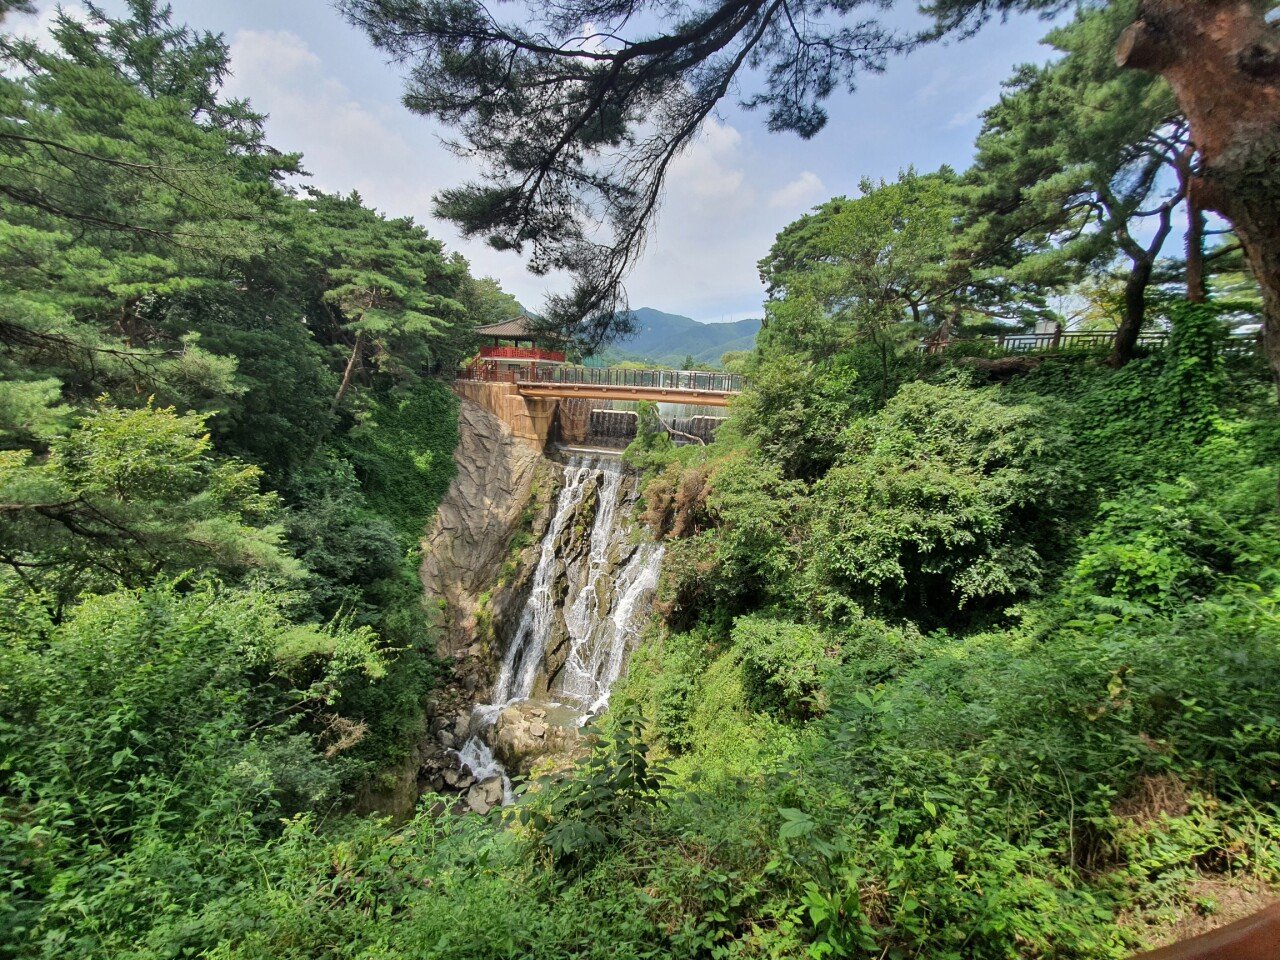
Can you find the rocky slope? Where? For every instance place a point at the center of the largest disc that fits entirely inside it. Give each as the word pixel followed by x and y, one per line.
pixel 475 574
pixel 471 537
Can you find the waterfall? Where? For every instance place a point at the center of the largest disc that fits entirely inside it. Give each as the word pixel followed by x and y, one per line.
pixel 602 639
pixel 524 652
pixel 588 598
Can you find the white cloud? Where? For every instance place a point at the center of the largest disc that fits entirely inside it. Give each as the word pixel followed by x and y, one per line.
pixel 589 39
pixel 971 113
pixel 799 192
pixel 938 84
pixel 274 54
pixel 717 221
pixel 710 174
pixel 392 157
pixel 345 145
pixel 38 26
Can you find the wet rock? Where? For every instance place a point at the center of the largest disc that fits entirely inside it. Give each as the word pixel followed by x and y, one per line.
pixel 486 795
pixel 446 740
pixel 525 732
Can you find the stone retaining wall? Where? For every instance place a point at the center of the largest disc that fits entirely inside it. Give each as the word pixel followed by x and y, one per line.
pixel 529 419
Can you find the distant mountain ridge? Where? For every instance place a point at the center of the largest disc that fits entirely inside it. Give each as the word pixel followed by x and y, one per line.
pixel 668 338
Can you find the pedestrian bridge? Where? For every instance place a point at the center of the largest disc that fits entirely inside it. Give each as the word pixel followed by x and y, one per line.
pixel 534 399
pixel 701 387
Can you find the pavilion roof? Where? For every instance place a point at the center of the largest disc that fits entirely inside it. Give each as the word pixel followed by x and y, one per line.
pixel 521 328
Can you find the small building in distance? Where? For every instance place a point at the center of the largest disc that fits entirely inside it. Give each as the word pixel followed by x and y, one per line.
pixel 516 350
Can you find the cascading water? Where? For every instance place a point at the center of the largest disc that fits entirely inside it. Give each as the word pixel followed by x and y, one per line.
pixel 590 603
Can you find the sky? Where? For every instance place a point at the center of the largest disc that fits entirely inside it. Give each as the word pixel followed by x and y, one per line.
pixel 330 95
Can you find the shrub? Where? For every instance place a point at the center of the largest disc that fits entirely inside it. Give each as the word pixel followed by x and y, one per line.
pixel 945 501
pixel 1166 543
pixel 403 453
pixel 610 794
pixel 149 741
pixel 784 665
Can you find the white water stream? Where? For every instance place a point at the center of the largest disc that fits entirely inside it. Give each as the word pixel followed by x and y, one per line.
pixel 605 597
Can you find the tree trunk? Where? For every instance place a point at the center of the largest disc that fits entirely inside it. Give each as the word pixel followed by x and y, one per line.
pixel 1197 285
pixel 357 350
pixel 1222 60
pixel 1135 313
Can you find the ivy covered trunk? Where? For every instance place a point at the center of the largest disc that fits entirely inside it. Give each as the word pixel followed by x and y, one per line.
pixel 1135 313
pixel 1222 59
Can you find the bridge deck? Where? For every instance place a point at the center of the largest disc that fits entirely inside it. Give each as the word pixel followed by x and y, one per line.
pixel 588 391
pixel 701 387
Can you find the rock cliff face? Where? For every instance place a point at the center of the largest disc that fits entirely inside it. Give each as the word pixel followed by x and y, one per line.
pixel 476 563
pixel 471 538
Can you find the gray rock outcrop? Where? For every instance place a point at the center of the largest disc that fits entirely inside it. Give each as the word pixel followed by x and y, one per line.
pixel 471 536
pixel 528 731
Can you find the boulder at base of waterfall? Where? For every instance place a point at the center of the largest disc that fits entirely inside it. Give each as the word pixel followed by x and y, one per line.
pixel 458 779
pixel 486 795
pixel 526 732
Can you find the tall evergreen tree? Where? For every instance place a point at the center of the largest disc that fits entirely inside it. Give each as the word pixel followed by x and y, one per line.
pixel 389 288
pixel 1079 163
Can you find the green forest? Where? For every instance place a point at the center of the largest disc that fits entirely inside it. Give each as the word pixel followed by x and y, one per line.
pixel 956 654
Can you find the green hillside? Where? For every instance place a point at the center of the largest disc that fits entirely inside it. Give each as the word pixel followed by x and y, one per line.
pixel 668 338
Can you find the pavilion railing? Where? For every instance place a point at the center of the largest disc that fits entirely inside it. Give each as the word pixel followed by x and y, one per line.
pixel 522 353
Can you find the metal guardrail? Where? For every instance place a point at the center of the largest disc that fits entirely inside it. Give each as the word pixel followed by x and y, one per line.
pixel 1036 342
pixel 702 380
pixel 1071 340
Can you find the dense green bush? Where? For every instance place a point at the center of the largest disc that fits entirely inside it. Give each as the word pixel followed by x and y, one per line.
pixel 141 733
pixel 403 454
pixel 945 501
pixel 785 665
pixel 797 409
pixel 1169 543
pixel 981 786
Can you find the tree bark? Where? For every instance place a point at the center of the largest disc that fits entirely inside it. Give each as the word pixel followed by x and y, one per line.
pixel 1197 283
pixel 1135 313
pixel 1222 60
pixel 357 350
pixel 1135 288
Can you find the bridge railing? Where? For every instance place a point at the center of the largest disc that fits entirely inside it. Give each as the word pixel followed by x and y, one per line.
pixel 1036 342
pixel 1069 340
pixel 702 380
pixel 488 371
